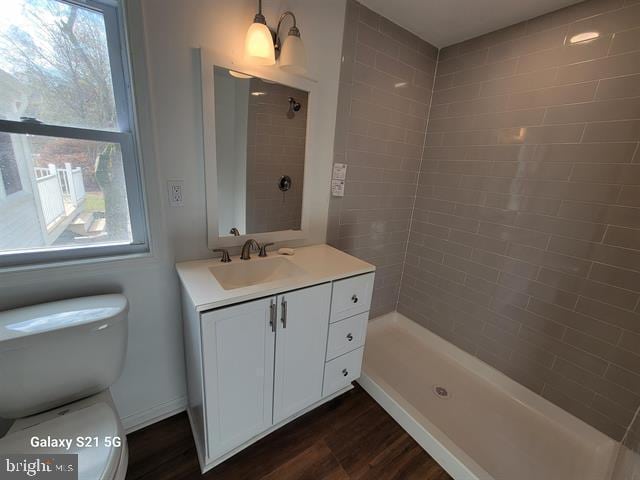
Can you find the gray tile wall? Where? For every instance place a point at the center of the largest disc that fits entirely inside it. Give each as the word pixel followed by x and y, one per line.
pixel 385 89
pixel 275 147
pixel 524 248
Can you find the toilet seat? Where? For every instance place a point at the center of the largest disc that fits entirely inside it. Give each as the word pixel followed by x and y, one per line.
pixel 90 417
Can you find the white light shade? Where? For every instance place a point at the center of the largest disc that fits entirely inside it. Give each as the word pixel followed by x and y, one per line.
pixel 243 76
pixel 258 45
pixel 293 58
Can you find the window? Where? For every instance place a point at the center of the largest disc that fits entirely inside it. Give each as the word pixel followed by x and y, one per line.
pixel 66 135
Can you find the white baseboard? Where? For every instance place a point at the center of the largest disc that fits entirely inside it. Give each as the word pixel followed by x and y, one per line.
pixel 154 414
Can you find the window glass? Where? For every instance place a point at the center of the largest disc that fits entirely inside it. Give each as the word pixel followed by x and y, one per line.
pixel 54 65
pixel 63 143
pixel 80 196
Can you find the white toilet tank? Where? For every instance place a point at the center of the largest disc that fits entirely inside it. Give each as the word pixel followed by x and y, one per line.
pixel 58 352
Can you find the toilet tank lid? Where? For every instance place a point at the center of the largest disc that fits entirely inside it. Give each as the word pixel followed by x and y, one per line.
pixel 47 317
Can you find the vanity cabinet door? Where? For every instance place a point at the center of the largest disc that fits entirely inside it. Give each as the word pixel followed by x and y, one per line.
pixel 301 341
pixel 238 352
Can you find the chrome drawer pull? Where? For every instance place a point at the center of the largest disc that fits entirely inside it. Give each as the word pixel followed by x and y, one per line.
pixel 284 313
pixel 354 298
pixel 345 372
pixel 349 337
pixel 272 316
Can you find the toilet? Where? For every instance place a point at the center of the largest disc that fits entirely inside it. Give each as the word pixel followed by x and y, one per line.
pixel 57 362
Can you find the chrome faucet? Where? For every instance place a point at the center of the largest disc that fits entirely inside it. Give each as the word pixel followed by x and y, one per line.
pixel 246 249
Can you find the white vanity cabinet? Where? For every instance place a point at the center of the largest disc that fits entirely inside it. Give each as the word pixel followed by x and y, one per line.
pixel 263 362
pixel 238 345
pixel 301 339
pixel 256 364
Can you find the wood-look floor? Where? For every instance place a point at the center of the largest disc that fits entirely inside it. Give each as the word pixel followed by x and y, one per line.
pixel 351 437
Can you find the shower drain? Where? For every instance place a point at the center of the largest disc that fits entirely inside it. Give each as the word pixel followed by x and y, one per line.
pixel 441 392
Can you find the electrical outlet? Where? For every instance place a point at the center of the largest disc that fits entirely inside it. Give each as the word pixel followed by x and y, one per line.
pixel 176 198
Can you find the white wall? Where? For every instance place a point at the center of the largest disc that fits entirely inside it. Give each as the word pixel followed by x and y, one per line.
pixel 174 30
pixel 153 379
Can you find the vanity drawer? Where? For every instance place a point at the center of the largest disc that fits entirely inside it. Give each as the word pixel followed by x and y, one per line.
pixel 351 296
pixel 341 371
pixel 346 335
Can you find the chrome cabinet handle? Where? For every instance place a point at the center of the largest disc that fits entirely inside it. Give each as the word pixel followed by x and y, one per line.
pixel 272 315
pixel 345 372
pixel 354 298
pixel 349 337
pixel 284 313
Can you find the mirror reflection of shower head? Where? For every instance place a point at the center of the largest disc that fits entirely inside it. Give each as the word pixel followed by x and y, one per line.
pixel 293 107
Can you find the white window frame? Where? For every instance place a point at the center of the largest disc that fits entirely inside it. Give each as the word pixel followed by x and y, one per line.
pixel 125 137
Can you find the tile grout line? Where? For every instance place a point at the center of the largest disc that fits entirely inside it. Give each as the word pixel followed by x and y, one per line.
pixel 517 57
pixel 566 326
pixel 532 90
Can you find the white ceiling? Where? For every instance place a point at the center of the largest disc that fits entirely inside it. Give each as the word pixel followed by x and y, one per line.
pixel 445 22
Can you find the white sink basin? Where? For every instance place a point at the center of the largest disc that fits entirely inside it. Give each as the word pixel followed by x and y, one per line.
pixel 244 273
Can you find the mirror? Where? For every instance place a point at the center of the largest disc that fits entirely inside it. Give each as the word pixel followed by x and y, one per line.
pixel 260 137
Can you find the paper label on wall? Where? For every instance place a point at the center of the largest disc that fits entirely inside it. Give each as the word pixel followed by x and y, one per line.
pixel 337 188
pixel 339 171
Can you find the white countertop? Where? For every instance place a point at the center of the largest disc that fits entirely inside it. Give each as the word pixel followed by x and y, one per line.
pixel 321 263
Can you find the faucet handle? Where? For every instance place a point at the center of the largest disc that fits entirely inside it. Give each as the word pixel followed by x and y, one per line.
pixel 225 254
pixel 263 249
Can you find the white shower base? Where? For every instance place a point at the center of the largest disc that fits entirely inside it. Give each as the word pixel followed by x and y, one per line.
pixel 489 427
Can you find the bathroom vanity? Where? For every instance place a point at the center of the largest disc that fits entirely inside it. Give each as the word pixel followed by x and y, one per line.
pixel 271 337
pixel 268 339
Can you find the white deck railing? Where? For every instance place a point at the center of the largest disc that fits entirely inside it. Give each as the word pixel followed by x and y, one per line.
pixel 72 184
pixel 57 188
pixel 78 185
pixel 43 172
pixel 50 198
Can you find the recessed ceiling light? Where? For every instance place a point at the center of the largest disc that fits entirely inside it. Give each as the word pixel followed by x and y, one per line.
pixel 258 94
pixel 584 37
pixel 400 84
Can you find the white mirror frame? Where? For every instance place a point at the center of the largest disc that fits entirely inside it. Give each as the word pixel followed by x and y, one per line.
pixel 209 60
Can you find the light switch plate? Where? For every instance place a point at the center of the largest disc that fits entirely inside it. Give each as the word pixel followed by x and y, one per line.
pixel 337 188
pixel 175 190
pixel 339 171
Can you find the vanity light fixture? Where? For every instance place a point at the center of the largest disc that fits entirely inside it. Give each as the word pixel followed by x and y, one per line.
pixel 258 43
pixel 262 45
pixel 293 58
pixel 584 37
